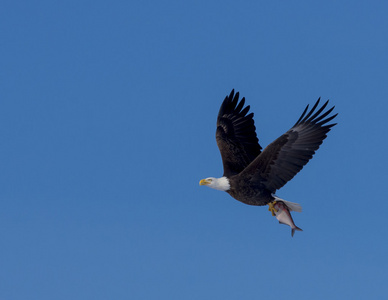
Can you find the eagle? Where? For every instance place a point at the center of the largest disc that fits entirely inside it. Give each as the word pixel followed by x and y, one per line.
pixel 253 175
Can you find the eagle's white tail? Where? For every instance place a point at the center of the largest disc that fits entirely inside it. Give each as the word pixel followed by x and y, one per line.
pixel 291 205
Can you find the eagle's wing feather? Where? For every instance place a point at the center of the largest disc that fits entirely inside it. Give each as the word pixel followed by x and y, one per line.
pixel 236 135
pixel 281 160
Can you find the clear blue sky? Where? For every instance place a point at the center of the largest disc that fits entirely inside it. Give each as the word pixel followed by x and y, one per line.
pixel 107 124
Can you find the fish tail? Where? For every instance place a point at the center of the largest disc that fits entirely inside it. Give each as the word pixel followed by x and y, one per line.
pixel 293 230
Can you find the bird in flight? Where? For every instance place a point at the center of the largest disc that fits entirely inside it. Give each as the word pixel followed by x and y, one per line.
pixel 252 175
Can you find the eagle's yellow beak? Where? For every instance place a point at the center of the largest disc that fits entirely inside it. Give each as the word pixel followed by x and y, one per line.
pixel 204 182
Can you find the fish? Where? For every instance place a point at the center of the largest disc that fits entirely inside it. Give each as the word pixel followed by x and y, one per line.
pixel 282 213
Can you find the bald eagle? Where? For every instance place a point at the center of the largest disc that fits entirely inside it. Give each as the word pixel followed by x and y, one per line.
pixel 252 175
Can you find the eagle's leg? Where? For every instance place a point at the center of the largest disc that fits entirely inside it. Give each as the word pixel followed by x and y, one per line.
pixel 272 208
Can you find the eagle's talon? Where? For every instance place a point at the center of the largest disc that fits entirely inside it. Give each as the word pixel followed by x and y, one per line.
pixel 271 208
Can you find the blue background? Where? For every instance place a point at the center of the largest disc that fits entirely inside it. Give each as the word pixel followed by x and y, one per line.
pixel 107 124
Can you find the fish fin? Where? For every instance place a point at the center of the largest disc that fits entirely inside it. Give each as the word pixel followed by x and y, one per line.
pixel 293 230
pixel 292 206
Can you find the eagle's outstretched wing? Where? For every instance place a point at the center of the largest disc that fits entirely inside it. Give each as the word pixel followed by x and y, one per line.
pixel 281 160
pixel 236 135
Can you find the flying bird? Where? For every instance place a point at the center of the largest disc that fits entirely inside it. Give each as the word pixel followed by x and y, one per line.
pixel 252 175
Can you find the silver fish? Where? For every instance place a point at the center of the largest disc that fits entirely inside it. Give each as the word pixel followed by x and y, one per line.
pixel 282 213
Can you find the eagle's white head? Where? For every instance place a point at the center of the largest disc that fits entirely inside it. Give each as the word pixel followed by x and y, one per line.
pixel 221 184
